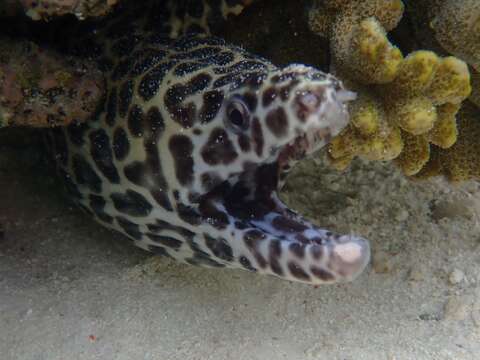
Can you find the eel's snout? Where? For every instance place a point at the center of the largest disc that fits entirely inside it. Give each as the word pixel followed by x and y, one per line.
pixel 315 257
pixel 323 111
pixel 336 260
pixel 349 257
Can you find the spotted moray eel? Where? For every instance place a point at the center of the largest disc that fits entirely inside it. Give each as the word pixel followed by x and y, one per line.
pixel 187 150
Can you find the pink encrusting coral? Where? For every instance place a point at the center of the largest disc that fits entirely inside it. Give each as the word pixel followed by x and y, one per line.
pixel 44 9
pixel 41 88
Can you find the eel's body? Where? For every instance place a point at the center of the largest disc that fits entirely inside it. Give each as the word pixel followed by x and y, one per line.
pixel 185 153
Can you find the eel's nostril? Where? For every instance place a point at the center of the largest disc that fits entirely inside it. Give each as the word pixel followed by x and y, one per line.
pixel 308 101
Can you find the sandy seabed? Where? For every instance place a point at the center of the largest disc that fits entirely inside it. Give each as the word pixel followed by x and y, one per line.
pixel 70 289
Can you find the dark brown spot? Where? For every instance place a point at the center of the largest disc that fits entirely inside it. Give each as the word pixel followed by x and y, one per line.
pixel 97 204
pixel 322 274
pixel 121 144
pixel 251 101
pixel 102 154
pixel 135 121
pixel 167 241
pixel 284 77
pixel 183 114
pixel 212 102
pixel 244 142
pixel 183 69
pixel 125 97
pixel 210 180
pixel 150 83
pixel 275 253
pixel 257 136
pixel 219 247
pixel 153 128
pixel 218 149
pixel 85 175
pixel 246 263
pixel 297 271
pixel 146 60
pixel 136 172
pixel 130 228
pixel 131 203
pixel 277 122
pixel 302 239
pixel 252 239
pixel 240 225
pixel 161 225
pixel 269 96
pixel 241 67
pixel 200 257
pixel 159 250
pixel 181 148
pixel 286 90
pixel 287 225
pixel 316 251
pixel 188 214
pixel 298 249
pixel 111 107
pixel 175 96
pixel 213 216
pixel 226 80
pixel 161 197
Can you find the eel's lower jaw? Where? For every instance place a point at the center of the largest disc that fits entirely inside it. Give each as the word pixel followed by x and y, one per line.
pixel 310 254
pixel 279 242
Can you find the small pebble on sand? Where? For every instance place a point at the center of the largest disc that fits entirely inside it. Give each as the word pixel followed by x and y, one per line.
pixel 456 308
pixel 456 277
pixel 382 263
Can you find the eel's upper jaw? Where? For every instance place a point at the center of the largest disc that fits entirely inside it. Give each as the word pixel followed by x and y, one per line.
pixel 325 115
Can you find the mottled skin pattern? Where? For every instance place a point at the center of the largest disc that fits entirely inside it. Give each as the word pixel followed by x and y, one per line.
pixel 185 152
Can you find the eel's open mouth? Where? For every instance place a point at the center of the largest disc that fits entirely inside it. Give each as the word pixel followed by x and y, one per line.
pixel 279 240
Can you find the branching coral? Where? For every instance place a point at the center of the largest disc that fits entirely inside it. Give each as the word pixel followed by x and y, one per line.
pixel 41 88
pixel 475 96
pixel 359 48
pixel 456 24
pixel 462 160
pixel 409 103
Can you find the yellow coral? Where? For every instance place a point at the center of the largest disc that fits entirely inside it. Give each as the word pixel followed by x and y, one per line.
pixel 475 95
pixel 444 134
pixel 462 160
pixel 456 24
pixel 417 102
pixel 415 154
pixel 409 103
pixel 451 82
pixel 374 60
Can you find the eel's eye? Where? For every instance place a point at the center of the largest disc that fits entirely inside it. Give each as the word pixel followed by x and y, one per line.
pixel 237 115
